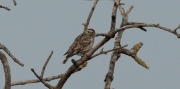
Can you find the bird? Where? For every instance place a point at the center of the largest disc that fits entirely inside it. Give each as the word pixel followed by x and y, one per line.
pixel 82 44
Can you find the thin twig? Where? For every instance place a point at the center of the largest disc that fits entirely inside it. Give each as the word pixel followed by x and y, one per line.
pixel 15 2
pixel 90 15
pixel 129 10
pixel 175 30
pixel 149 25
pixel 132 23
pixel 36 80
pixel 105 52
pixel 45 84
pixel 7 71
pixel 9 53
pixel 45 64
pixel 5 7
pixel 122 10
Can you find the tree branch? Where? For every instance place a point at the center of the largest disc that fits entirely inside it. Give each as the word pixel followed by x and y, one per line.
pixel 5 7
pixel 15 2
pixel 129 10
pixel 105 52
pixel 45 84
pixel 44 67
pixel 175 30
pixel 149 25
pixel 101 34
pixel 109 75
pixel 36 80
pixel 7 71
pixel 9 53
pixel 132 23
pixel 133 54
pixel 90 15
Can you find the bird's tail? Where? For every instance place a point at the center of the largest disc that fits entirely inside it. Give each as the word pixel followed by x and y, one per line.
pixel 65 60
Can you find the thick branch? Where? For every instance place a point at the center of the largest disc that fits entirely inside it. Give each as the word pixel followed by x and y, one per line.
pixel 5 7
pixel 45 64
pixel 109 75
pixel 45 84
pixel 6 71
pixel 9 53
pixel 36 80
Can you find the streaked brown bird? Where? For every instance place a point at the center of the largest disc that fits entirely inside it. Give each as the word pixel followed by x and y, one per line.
pixel 82 44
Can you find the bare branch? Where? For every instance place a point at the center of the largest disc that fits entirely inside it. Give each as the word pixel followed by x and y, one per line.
pixel 44 67
pixel 122 4
pixel 45 84
pixel 5 7
pixel 133 54
pixel 149 25
pixel 132 23
pixel 9 53
pixel 128 11
pixel 105 52
pixel 175 30
pixel 15 2
pixel 101 34
pixel 122 11
pixel 90 15
pixel 36 80
pixel 109 75
pixel 7 71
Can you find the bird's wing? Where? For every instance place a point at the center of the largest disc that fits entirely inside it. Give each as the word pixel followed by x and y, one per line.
pixel 74 46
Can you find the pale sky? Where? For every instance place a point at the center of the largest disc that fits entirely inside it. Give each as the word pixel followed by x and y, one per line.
pixel 32 29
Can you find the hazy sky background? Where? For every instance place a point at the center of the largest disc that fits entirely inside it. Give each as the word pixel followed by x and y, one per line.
pixel 33 28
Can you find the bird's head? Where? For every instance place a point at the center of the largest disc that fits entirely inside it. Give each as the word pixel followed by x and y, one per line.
pixel 90 32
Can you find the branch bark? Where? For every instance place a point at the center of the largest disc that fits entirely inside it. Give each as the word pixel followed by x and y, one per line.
pixel 105 52
pixel 149 25
pixel 90 15
pixel 6 71
pixel 45 64
pixel 45 84
pixel 6 8
pixel 14 1
pixel 9 53
pixel 36 80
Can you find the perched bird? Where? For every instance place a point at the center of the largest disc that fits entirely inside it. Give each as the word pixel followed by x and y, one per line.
pixel 82 44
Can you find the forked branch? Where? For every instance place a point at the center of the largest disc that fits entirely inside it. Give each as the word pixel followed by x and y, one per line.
pixel 45 64
pixel 105 52
pixel 45 84
pixel 36 80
